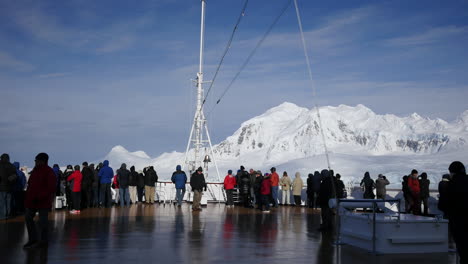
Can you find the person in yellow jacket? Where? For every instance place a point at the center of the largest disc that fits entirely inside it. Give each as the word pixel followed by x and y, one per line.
pixel 285 183
pixel 297 188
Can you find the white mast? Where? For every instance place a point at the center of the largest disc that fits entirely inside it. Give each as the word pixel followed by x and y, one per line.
pixel 194 157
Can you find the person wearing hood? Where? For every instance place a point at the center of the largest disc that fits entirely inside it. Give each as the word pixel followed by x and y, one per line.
pixel 381 186
pixel 86 185
pixel 59 175
pixel 132 185
pixel 424 194
pixel 243 181
pixel 442 204
pixel 7 182
pixel 151 178
pixel 123 178
pixel 95 186
pixel 285 184
pixel 457 208
pixel 317 180
pixel 297 188
pixel 326 192
pixel 140 186
pixel 257 187
pixel 368 184
pixel 229 183
pixel 106 174
pixel 340 187
pixel 18 190
pixel 415 192
pixel 75 180
pixel 179 178
pixel 198 184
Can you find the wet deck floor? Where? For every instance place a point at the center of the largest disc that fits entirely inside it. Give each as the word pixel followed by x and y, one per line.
pixel 167 234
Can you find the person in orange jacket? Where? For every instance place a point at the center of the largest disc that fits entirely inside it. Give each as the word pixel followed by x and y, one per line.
pixel 415 191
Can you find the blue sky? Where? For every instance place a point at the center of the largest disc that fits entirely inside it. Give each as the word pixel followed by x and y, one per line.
pixel 79 77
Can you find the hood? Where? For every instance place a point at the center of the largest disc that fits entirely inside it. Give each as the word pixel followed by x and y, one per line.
pixel 178 168
pixel 457 168
pixel 16 164
pixel 123 166
pixel 325 173
pixel 310 175
pixel 105 163
pixel 298 175
pixel 132 168
pixel 366 175
pixel 5 157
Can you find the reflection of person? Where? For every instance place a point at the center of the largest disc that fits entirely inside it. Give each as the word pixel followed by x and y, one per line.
pixel 41 189
pixel 198 184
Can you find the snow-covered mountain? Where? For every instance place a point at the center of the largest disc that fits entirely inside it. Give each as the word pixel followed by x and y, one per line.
pixel 287 134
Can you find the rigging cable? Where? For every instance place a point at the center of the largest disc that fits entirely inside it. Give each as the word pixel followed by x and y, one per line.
pixel 228 46
pixel 314 94
pixel 252 53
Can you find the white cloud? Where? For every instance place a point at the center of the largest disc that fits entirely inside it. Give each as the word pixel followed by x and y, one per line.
pixel 9 62
pixel 430 36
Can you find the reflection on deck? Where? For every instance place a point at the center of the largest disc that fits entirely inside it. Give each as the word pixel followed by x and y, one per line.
pixel 168 234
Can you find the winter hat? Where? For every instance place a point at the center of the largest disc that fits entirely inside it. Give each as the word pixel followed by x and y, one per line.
pixel 414 172
pixel 273 169
pixel 338 176
pixel 132 168
pixel 229 171
pixel 446 176
pixel 77 167
pixel 123 166
pixel 423 175
pixel 310 175
pixel 85 164
pixel 200 169
pixel 457 168
pixel 366 175
pixel 380 176
pixel 242 168
pixel 42 157
pixel 69 167
pixel 285 173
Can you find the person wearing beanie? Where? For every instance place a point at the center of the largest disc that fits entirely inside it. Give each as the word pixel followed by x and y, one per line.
pixel 198 184
pixel 285 183
pixel 415 192
pixel 229 183
pixel 458 207
pixel 297 189
pixel 179 178
pixel 38 199
pixel 424 193
pixel 75 180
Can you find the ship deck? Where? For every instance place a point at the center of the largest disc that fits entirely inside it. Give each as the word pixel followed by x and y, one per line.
pixel 168 234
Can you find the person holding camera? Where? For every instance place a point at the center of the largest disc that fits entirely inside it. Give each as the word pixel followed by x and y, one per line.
pixel 381 186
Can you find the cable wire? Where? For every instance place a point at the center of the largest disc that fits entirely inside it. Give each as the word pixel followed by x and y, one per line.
pixel 283 10
pixel 228 46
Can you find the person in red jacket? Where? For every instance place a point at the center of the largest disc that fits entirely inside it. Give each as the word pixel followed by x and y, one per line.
pixel 265 191
pixel 41 188
pixel 274 178
pixel 415 190
pixel 229 183
pixel 75 185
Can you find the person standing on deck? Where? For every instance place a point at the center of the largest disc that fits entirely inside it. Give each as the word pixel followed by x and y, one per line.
pixel 325 194
pixel 443 189
pixel 132 185
pixel 297 189
pixel 274 178
pixel 151 178
pixel 285 183
pixel 123 178
pixel 75 180
pixel 38 199
pixel 95 186
pixel 179 178
pixel 140 186
pixel 257 188
pixel 415 192
pixel 198 184
pixel 316 187
pixel 106 174
pixel 381 186
pixel 424 186
pixel 229 183
pixel 7 182
pixel 368 184
pixel 265 191
pixel 406 194
pixel 86 185
pixel 340 187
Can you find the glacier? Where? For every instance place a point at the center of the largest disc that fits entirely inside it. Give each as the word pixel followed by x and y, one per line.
pixel 288 137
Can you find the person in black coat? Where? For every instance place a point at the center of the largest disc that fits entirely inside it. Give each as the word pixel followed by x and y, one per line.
pixel 406 194
pixel 257 186
pixel 151 178
pixel 86 185
pixel 424 193
pixel 443 189
pixel 244 186
pixel 198 184
pixel 369 185
pixel 340 187
pixel 95 186
pixel 317 179
pixel 310 190
pixel 140 186
pixel 457 208
pixel 326 192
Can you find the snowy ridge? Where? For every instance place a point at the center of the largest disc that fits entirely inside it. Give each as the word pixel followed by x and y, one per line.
pixel 289 136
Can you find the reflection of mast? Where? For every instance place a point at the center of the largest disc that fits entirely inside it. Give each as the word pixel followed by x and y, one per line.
pixel 194 158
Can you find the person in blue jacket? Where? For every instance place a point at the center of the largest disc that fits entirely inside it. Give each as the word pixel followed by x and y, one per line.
pixel 179 178
pixel 18 190
pixel 106 174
